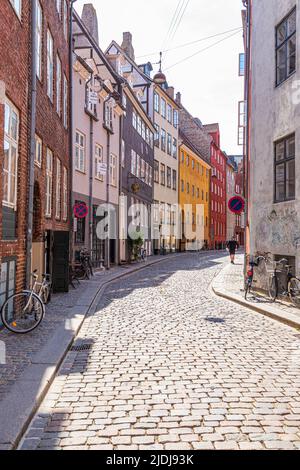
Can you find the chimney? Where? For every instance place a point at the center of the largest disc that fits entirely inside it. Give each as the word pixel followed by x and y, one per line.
pixel 90 20
pixel 171 92
pixel 178 98
pixel 127 45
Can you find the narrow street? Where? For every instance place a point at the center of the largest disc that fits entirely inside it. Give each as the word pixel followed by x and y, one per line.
pixel 165 364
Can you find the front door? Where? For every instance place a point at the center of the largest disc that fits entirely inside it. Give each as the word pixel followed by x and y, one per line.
pixel 60 261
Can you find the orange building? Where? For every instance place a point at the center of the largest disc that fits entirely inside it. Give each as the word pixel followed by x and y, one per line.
pixel 194 194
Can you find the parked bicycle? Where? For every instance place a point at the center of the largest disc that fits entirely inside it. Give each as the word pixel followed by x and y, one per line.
pixel 23 312
pixel 250 272
pixel 142 256
pixel 84 270
pixel 292 288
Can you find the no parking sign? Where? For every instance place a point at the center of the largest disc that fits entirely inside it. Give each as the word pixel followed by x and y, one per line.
pixel 236 204
pixel 81 210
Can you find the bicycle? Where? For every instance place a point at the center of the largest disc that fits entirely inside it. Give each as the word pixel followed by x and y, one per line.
pixel 292 284
pixel 23 312
pixel 250 272
pixel 142 255
pixel 85 269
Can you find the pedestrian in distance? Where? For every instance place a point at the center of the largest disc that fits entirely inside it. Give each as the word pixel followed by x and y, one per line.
pixel 232 245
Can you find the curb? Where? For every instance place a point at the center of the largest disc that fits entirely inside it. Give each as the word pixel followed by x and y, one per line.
pixel 269 311
pixel 40 375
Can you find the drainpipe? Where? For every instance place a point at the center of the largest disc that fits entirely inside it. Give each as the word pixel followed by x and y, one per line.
pixel 71 126
pixel 32 145
pixel 91 184
pixel 107 240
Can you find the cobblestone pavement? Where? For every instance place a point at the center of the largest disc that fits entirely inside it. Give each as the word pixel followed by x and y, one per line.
pixel 172 366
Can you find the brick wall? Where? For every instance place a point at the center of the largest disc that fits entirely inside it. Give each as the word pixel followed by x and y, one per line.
pixel 14 70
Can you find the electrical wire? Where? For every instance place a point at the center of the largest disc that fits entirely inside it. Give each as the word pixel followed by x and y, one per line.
pixel 190 43
pixel 202 50
pixel 171 24
pixel 180 20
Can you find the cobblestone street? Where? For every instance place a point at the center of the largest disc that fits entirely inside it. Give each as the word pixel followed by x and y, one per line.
pixel 165 364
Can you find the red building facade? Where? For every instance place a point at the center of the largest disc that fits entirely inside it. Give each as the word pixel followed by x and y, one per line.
pixel 218 189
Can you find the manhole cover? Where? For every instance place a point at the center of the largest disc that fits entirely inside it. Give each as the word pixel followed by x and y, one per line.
pixel 81 347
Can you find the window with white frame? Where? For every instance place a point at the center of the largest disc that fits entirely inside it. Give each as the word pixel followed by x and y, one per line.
pixel 123 153
pixel 65 194
pixel 80 152
pixel 58 85
pixel 10 163
pixel 134 119
pixel 133 162
pixel 49 65
pixel 169 113
pixel 109 115
pixel 39 39
pixel 156 102
pixel 98 162
pixel 66 97
pixel 65 19
pixel 113 170
pixel 163 108
pixel 58 189
pixel 175 118
pixel 38 151
pixel 49 182
pixel 17 4
pixel 58 7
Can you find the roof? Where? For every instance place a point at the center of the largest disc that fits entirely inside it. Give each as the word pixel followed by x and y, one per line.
pixel 186 141
pixel 212 127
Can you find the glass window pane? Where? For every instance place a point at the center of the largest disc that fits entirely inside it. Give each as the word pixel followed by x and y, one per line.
pixel 281 64
pixel 292 55
pixel 280 189
pixel 281 33
pixel 291 23
pixel 7 118
pixel 290 147
pixel 290 179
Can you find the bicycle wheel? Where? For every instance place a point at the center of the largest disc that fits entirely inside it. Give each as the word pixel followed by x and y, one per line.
pixel 273 288
pixel 247 289
pixel 294 291
pixel 22 313
pixel 45 295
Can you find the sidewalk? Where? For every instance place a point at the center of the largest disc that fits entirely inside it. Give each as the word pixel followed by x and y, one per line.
pixel 229 284
pixel 33 359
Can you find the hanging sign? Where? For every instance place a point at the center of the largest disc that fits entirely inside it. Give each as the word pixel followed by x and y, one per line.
pixel 81 210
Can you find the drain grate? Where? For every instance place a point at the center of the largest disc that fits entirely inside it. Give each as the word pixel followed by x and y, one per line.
pixel 81 347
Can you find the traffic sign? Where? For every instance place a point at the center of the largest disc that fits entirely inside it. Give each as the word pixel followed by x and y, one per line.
pixel 236 204
pixel 81 210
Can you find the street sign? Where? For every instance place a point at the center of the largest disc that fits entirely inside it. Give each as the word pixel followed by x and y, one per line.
pixel 93 97
pixel 236 204
pixel 81 210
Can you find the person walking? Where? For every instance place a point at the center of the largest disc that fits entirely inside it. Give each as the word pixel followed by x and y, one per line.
pixel 232 245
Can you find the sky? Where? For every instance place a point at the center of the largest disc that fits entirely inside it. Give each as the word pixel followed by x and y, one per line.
pixel 209 81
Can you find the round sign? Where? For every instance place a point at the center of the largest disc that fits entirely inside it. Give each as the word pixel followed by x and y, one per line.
pixel 236 204
pixel 81 210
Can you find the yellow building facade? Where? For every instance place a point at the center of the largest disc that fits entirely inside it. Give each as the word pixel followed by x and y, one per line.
pixel 194 190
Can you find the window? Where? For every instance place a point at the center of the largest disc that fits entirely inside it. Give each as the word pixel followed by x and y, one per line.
pixel 188 188
pixel 80 152
pixel 38 151
pixel 17 4
pixel 198 193
pixel 285 169
pixel 66 93
pixel 174 148
pixel 113 170
pixel 150 175
pixel 65 194
pixel 138 166
pixel 39 40
pixel 156 171
pixel 193 190
pixel 156 137
pixel 11 142
pixel 193 163
pixel 163 140
pixel 123 153
pixel 65 19
pixel 49 180
pixel 98 162
pixel 108 116
pixel 169 182
pixel 134 119
pixel 187 160
pixel 49 65
pixel 163 108
pixel 7 278
pixel 169 113
pixel 143 130
pixel 182 186
pixel 58 85
pixel 58 189
pixel 133 162
pixel 286 48
pixel 139 125
pixel 58 7
pixel 175 118
pixel 156 102
pixel 169 146
pixel 142 169
pixel 174 179
pixel 182 157
pixel 162 174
